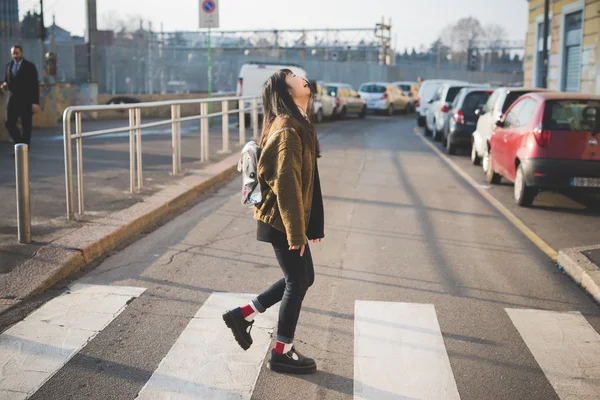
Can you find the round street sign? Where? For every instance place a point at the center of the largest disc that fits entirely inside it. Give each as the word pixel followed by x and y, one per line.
pixel 208 6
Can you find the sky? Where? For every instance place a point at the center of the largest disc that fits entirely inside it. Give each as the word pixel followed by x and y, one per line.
pixel 414 22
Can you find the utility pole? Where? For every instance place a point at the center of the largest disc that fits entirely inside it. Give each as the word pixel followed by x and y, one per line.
pixel 384 33
pixel 90 38
pixel 43 38
pixel 545 44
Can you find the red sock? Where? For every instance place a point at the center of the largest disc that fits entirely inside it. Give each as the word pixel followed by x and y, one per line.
pixel 249 312
pixel 283 348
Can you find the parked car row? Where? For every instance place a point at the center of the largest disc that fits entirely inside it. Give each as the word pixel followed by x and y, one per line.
pixel 333 100
pixel 539 139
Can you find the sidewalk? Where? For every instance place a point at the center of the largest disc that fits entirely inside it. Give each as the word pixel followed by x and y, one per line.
pixel 106 182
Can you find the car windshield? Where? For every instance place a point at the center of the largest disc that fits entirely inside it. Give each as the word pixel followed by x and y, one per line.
pixel 511 97
pixel 373 89
pixel 405 88
pixel 332 90
pixel 452 92
pixel 572 115
pixel 474 100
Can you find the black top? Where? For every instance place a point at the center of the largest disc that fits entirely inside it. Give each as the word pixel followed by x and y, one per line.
pixel 316 224
pixel 24 86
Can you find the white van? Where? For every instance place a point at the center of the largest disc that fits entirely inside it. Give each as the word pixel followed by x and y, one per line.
pixel 254 75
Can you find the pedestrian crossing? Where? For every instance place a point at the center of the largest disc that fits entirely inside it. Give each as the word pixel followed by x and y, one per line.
pixel 399 349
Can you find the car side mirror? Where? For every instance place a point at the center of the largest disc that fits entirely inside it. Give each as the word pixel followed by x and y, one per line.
pixel 358 96
pixel 430 101
pixel 500 123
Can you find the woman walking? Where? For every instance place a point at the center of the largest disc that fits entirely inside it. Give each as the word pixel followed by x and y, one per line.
pixel 290 214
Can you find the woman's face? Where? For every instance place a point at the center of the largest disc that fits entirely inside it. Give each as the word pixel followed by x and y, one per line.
pixel 299 88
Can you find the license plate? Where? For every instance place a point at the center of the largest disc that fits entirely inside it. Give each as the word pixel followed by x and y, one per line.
pixel 585 182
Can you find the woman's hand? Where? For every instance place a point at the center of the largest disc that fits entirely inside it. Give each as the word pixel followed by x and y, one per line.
pixel 301 248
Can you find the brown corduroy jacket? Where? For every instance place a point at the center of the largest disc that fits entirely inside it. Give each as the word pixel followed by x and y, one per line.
pixel 286 175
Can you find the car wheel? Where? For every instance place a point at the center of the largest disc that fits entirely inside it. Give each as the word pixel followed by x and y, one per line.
pixel 427 130
pixel 319 116
pixel 490 175
pixel 363 113
pixel 438 134
pixel 390 110
pixel 475 159
pixel 524 195
pixel 343 113
pixel 450 147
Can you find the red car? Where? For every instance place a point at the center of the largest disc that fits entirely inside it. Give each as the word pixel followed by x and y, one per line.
pixel 547 141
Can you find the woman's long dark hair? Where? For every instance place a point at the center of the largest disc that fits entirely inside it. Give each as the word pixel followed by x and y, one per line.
pixel 277 102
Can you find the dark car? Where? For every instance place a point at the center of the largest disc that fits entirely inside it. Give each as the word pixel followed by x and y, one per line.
pixel 462 120
pixel 547 141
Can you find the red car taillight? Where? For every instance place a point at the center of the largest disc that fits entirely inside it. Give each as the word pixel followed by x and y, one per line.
pixel 418 103
pixel 385 95
pixel 542 137
pixel 459 117
pixel 338 101
pixel 444 108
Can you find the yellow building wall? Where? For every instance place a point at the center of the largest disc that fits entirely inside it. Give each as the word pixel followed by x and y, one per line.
pixel 590 64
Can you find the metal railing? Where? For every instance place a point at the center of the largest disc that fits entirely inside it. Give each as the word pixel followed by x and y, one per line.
pixel 135 136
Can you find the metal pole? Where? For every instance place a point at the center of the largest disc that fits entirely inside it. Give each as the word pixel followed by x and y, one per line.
pixel 255 118
pixel 68 163
pixel 210 107
pixel 138 142
pixel 131 150
pixel 204 136
pixel 545 43
pixel 225 123
pixel 242 121
pixel 179 169
pixel 23 202
pixel 79 142
pixel 174 137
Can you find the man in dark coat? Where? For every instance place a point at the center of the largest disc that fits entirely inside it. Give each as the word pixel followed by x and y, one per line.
pixel 21 80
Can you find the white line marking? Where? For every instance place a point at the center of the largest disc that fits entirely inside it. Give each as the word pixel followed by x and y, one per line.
pixel 399 353
pixel 37 347
pixel 566 347
pixel 206 362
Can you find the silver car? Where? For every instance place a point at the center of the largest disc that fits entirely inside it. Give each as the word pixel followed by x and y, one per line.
pixel 436 117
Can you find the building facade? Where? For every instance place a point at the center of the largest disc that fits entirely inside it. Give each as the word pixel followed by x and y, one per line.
pixel 9 18
pixel 573 43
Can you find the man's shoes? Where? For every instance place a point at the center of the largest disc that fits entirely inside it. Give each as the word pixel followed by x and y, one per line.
pixel 239 327
pixel 291 362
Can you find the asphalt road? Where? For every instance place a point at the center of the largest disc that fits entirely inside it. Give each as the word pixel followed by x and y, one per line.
pixel 401 228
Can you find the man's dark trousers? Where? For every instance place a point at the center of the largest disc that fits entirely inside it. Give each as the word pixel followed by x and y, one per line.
pixel 16 110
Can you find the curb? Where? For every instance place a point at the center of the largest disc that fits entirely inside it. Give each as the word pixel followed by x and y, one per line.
pixel 581 269
pixel 73 252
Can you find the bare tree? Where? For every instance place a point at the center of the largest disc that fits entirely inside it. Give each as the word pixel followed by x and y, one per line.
pixel 495 35
pixel 462 35
pixel 114 21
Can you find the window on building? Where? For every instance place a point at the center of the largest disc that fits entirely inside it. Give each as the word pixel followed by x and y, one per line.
pixel 572 52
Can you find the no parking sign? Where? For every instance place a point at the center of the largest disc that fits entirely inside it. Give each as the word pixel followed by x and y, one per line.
pixel 209 13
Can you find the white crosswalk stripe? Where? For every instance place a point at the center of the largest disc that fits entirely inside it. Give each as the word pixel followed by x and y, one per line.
pixel 566 347
pixel 37 347
pixel 391 340
pixel 206 362
pixel 394 340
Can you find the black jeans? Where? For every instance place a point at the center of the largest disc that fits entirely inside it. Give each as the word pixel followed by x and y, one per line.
pixel 299 275
pixel 16 110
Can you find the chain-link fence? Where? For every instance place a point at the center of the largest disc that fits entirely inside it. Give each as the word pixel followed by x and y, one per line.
pixel 142 63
